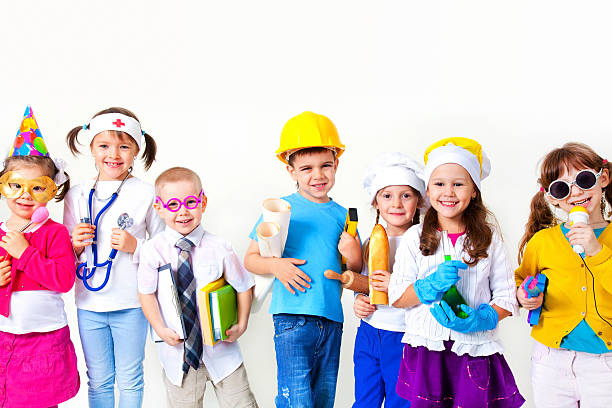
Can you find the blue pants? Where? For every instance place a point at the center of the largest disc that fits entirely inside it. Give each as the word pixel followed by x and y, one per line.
pixel 307 358
pixel 377 358
pixel 113 345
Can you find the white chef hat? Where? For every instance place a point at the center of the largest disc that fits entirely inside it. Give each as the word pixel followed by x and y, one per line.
pixel 465 152
pixel 392 169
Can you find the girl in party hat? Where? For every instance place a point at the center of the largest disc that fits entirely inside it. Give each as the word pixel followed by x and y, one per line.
pixel 571 363
pixel 110 218
pixel 38 364
pixel 397 193
pixel 452 356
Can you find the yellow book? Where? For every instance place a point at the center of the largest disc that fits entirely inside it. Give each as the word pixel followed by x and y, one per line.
pixel 204 308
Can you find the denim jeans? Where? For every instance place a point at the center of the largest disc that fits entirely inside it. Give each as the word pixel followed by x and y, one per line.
pixel 307 358
pixel 113 345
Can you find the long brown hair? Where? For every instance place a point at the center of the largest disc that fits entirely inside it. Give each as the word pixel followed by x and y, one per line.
pixel 150 150
pixel 478 231
pixel 45 163
pixel 570 155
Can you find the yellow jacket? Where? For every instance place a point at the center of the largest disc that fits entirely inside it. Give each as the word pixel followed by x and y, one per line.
pixel 569 295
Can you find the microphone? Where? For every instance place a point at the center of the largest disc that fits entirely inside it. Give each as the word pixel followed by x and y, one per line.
pixel 576 215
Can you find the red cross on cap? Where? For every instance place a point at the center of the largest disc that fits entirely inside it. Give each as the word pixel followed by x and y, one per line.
pixel 118 123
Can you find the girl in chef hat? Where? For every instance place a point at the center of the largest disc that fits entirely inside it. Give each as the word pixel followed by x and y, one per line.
pixel 452 277
pixel 396 192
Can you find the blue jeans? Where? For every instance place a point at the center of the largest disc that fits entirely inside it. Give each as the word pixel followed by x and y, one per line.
pixel 307 358
pixel 377 357
pixel 113 345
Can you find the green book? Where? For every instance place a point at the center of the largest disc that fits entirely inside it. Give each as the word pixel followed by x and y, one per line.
pixel 223 311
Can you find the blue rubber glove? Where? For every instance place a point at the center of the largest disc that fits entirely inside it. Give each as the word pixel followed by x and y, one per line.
pixel 483 318
pixel 431 288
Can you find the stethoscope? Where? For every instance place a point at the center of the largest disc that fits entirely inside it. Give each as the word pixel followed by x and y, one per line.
pixel 124 222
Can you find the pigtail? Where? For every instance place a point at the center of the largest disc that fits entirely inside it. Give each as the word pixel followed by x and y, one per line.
pixel 416 219
pixel 429 240
pixel 377 216
pixel 62 189
pixel 540 217
pixel 72 141
pixel 365 252
pixel 148 156
pixel 607 193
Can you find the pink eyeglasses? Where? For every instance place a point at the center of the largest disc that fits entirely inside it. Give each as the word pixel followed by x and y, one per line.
pixel 174 204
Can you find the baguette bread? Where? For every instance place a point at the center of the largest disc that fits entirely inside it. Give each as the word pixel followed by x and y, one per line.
pixel 378 259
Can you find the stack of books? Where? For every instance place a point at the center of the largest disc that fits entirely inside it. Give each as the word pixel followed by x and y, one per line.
pixel 218 310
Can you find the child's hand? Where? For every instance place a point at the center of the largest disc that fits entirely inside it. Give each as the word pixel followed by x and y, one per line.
pixel 169 336
pixel 5 271
pixel 123 241
pixel 582 234
pixel 290 275
pixel 531 303
pixel 485 317
pixel 81 233
pixel 362 306
pixel 380 280
pixel 14 243
pixel 431 288
pixel 349 247
pixel 234 332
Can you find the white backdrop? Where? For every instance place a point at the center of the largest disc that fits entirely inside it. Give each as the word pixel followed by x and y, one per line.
pixel 214 82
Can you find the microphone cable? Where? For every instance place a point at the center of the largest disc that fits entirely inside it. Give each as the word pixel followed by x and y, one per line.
pixel 594 298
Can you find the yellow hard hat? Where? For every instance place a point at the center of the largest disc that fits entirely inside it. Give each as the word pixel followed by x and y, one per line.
pixel 305 130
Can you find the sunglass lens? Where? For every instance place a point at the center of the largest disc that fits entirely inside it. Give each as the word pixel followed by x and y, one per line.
pixel 559 189
pixel 585 179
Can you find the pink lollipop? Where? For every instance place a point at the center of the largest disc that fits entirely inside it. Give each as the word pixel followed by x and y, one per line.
pixel 39 215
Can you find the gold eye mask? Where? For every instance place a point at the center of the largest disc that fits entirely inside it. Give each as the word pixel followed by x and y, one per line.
pixel 41 189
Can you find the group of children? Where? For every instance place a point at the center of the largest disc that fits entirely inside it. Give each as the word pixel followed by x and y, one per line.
pixel 418 351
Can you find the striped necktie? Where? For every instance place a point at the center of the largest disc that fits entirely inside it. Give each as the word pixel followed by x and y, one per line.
pixel 186 287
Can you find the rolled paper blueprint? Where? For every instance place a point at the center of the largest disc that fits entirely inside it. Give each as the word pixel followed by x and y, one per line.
pixel 278 211
pixel 269 239
pixel 378 259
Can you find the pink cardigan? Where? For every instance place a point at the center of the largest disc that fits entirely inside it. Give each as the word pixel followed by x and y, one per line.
pixel 48 263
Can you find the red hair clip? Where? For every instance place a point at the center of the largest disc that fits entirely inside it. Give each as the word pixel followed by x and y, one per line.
pixel 605 161
pixel 542 189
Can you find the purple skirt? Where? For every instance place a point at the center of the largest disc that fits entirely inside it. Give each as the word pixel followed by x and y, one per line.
pixel 442 379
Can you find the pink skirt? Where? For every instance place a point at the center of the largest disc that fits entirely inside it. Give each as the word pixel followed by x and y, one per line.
pixel 37 369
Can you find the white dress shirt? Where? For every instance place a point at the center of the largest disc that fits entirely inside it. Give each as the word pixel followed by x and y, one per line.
pixel 490 281
pixel 211 258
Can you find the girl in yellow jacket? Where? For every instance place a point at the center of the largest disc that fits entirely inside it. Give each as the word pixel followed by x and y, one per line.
pixel 572 355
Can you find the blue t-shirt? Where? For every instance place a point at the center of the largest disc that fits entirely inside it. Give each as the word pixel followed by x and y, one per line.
pixel 314 233
pixel 582 337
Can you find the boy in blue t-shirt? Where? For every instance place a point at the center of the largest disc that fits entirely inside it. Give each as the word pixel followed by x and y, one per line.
pixel 305 305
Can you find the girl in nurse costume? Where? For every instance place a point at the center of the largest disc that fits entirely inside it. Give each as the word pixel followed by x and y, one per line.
pixel 115 211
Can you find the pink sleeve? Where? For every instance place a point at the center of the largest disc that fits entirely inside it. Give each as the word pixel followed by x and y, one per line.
pixel 56 271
